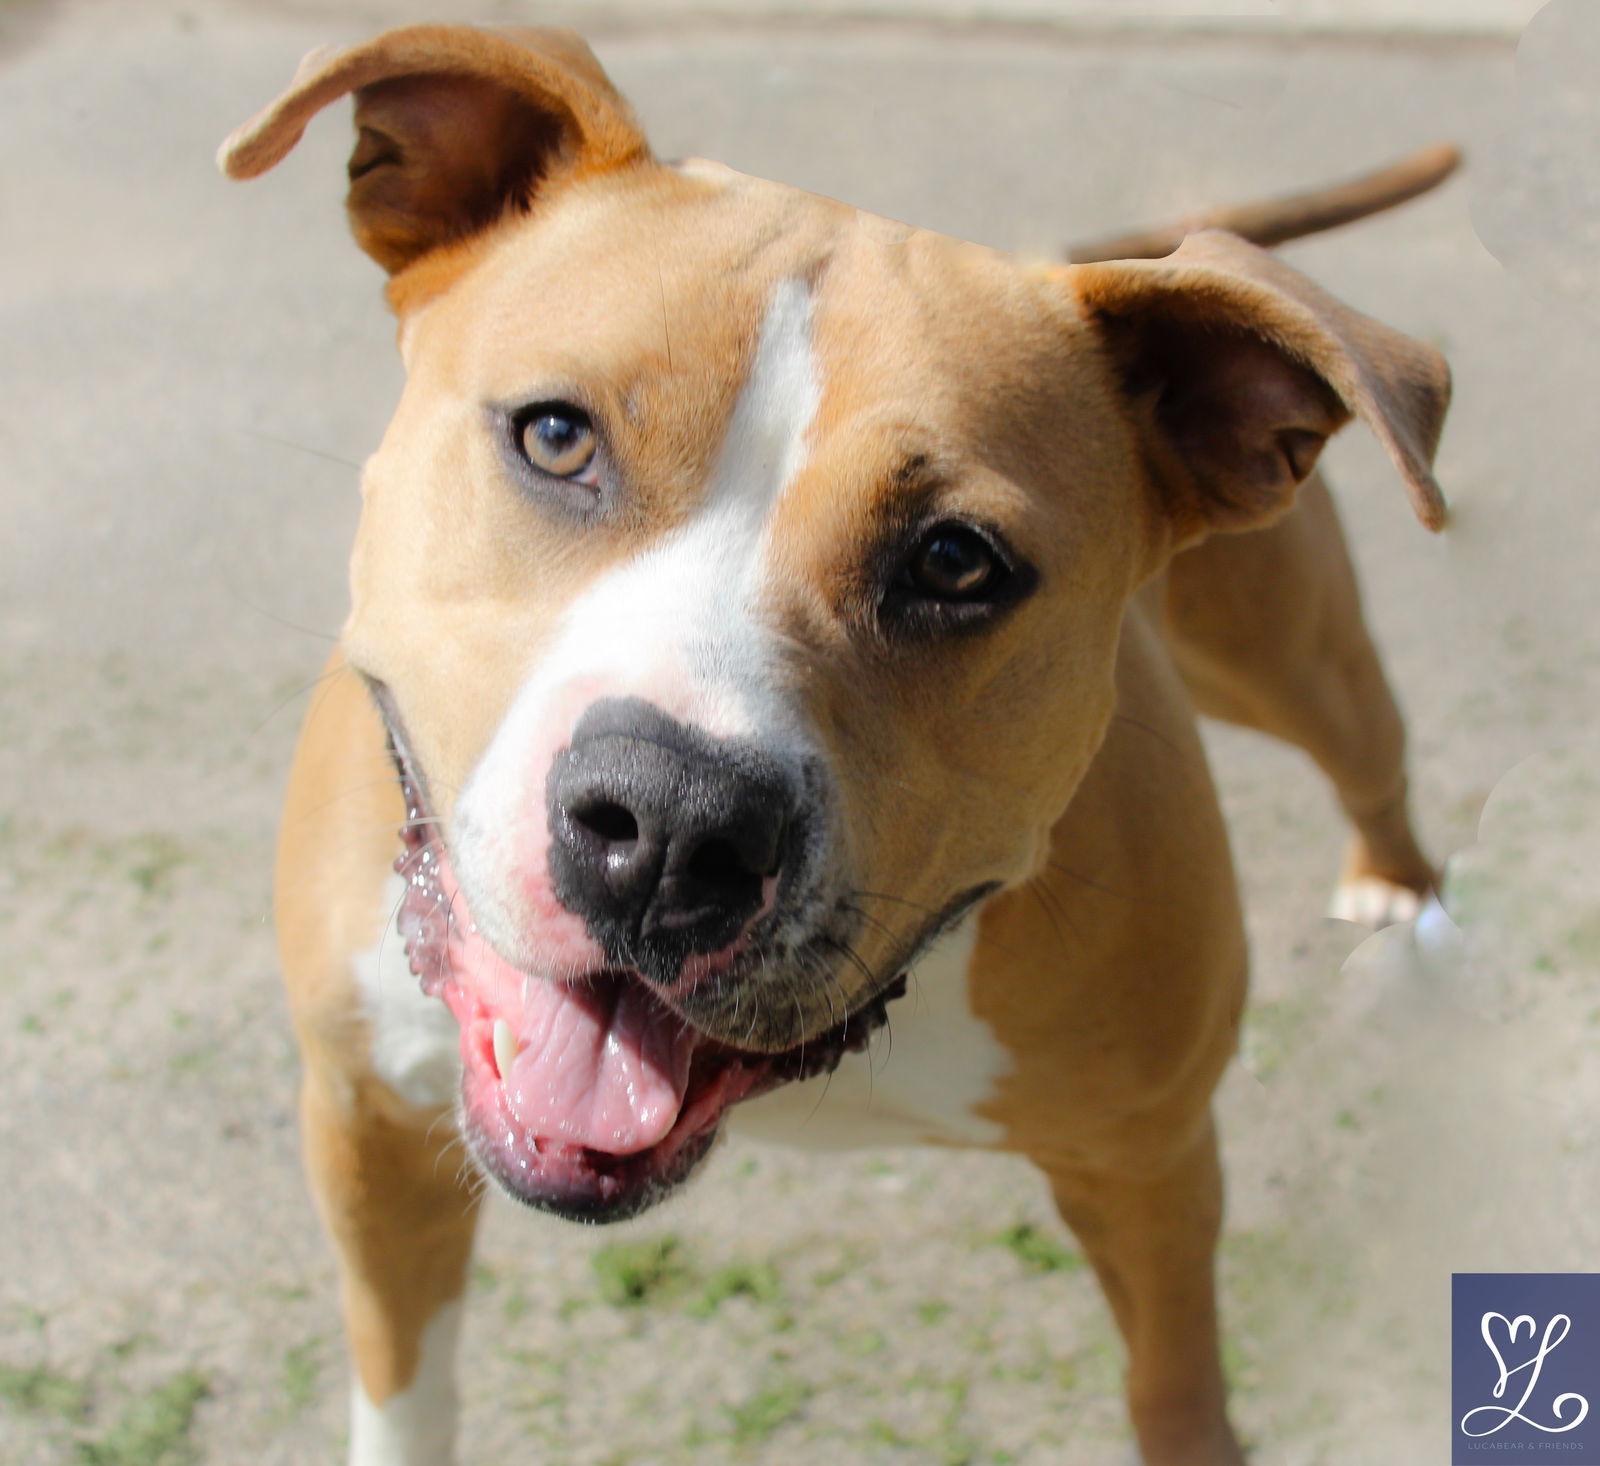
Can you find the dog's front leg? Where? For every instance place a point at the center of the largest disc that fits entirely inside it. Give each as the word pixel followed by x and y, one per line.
pixel 382 1151
pixel 1152 1239
pixel 402 1224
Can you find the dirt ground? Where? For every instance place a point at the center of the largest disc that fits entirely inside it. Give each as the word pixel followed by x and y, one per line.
pixel 190 374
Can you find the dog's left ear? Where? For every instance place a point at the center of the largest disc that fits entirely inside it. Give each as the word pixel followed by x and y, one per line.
pixel 1237 370
pixel 454 126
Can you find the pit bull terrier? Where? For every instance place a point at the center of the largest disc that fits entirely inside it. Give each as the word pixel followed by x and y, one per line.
pixel 756 601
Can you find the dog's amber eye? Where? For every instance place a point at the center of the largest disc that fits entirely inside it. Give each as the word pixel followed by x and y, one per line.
pixel 953 562
pixel 558 440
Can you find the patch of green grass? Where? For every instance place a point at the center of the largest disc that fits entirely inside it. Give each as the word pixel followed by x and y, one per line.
pixel 131 1345
pixel 863 1343
pixel 932 1311
pixel 854 1256
pixel 663 1271
pixel 192 1061
pixel 569 1308
pixel 1271 1031
pixel 154 859
pixel 302 1365
pixel 946 1443
pixel 517 1303
pixel 952 1445
pixel 757 1281
pixel 1040 1252
pixel 636 1274
pixel 287 1292
pixel 1583 942
pixel 154 1429
pixel 1238 1365
pixel 41 1390
pixel 754 1420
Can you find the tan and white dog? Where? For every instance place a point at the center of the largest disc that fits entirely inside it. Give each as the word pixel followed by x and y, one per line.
pixel 756 601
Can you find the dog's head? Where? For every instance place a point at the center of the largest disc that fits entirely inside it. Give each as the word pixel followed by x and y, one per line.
pixel 741 575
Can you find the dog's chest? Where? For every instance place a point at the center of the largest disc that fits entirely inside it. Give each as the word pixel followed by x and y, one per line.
pixel 923 1078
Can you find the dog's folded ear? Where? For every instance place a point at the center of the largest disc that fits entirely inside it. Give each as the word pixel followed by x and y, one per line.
pixel 1238 369
pixel 454 126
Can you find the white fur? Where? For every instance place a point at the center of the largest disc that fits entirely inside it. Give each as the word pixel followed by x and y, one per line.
pixel 415 1041
pixel 417 1427
pixel 922 1079
pixel 1372 901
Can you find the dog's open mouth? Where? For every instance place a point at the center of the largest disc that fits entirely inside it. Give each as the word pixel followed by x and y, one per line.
pixel 591 1098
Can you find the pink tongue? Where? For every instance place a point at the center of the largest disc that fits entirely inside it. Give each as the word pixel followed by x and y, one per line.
pixel 603 1067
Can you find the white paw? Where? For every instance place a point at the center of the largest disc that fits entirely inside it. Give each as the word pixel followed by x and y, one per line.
pixel 1374 902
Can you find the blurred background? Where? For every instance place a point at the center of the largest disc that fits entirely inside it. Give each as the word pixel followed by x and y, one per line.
pixel 190 375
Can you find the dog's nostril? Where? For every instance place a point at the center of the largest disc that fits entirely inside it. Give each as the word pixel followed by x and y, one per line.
pixel 718 865
pixel 612 822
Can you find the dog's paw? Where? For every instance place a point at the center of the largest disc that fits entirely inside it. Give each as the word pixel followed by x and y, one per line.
pixel 1371 901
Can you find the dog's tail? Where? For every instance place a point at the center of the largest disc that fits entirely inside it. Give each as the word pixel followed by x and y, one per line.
pixel 1275 221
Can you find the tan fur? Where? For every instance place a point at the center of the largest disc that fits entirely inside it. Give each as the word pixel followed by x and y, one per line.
pixel 1104 417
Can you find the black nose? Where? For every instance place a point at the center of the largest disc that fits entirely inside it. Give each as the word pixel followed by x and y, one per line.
pixel 662 837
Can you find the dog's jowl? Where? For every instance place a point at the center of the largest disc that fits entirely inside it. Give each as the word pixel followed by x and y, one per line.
pixel 756 600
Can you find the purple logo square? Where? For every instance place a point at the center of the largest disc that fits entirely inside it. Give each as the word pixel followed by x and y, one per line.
pixel 1525 1368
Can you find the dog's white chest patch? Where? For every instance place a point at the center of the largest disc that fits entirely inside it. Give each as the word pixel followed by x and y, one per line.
pixel 922 1079
pixel 416 1045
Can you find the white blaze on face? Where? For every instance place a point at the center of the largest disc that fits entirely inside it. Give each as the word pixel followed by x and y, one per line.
pixel 677 627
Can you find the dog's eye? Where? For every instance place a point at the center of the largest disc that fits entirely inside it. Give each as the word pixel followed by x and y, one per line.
pixel 954 577
pixel 954 562
pixel 559 440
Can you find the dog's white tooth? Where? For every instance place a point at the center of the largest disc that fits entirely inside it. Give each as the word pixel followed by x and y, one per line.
pixel 505 1047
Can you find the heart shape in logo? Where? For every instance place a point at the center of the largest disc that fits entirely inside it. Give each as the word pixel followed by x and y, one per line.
pixel 1513 1329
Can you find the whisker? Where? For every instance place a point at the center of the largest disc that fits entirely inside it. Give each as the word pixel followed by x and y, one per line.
pixel 897 900
pixel 1155 733
pixel 301 448
pixel 284 621
pixel 329 675
pixel 1088 881
pixel 1051 904
pixel 871 920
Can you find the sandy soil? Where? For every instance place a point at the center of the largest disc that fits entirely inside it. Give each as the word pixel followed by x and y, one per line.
pixel 191 373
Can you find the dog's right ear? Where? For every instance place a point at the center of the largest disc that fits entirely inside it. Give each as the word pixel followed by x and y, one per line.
pixel 454 127
pixel 1236 370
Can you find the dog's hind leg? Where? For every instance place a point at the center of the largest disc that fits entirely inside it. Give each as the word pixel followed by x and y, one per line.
pixel 1267 630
